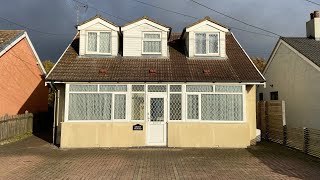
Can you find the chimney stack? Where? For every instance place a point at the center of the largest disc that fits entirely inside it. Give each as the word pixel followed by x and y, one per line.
pixel 313 26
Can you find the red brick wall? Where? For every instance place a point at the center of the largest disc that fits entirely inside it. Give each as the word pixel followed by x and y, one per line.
pixel 21 85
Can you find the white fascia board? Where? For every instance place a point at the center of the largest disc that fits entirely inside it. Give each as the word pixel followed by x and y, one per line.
pixel 96 21
pixel 61 56
pixel 248 57
pixel 216 26
pixel 145 21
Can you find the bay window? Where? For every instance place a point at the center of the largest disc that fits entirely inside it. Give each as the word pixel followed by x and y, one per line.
pixel 188 102
pixel 99 43
pixel 151 43
pixel 206 43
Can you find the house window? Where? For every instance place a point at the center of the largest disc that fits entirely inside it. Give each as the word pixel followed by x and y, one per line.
pixel 207 43
pixel 215 102
pixel 274 95
pixel 99 43
pixel 193 106
pixel 175 105
pixel 137 106
pixel 151 43
pixel 97 102
pixel 260 96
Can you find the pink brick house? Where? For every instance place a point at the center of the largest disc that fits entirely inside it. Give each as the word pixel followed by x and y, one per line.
pixel 22 84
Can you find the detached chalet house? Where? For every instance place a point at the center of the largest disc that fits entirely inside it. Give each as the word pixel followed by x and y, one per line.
pixel 293 75
pixel 22 76
pixel 142 85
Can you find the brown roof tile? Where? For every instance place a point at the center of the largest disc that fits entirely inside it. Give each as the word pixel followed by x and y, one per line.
pixel 8 36
pixel 177 68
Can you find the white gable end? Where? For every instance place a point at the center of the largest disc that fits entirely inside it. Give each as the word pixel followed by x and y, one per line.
pixel 133 38
pixel 98 25
pixel 206 27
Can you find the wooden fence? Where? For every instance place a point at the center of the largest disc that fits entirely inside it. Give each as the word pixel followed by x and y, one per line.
pixel 271 121
pixel 12 126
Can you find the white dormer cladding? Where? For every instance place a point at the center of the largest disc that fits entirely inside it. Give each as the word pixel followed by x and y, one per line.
pixel 206 39
pixel 145 37
pixel 98 37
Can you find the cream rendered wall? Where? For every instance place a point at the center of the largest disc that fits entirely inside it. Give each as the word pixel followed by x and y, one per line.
pixel 180 134
pixel 132 40
pixel 214 134
pixel 101 134
pixel 99 27
pixel 298 84
pixel 207 29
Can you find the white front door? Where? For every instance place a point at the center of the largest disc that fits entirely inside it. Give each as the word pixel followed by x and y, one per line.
pixel 157 121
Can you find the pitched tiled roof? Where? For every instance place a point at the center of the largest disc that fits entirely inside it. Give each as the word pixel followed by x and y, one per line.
pixel 98 16
pixel 8 36
pixel 176 68
pixel 147 18
pixel 308 47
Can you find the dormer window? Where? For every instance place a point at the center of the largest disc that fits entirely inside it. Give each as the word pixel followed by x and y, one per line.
pixel 99 43
pixel 207 43
pixel 151 43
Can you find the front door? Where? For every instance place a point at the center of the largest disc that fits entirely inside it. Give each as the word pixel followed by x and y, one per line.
pixel 157 121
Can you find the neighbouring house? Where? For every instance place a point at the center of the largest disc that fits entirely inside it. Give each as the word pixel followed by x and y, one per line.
pixel 293 75
pixel 22 76
pixel 142 85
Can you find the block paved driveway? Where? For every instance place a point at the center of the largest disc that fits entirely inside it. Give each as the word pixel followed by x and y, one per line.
pixel 34 158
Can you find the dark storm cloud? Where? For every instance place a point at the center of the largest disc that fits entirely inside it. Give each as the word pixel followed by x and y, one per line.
pixel 284 17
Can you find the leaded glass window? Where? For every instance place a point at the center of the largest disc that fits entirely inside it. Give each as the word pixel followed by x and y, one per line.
pixel 213 43
pixel 86 106
pixel 83 88
pixel 201 47
pixel 137 106
pixel 119 106
pixel 232 89
pixel 99 42
pixel 151 43
pixel 138 88
pixel 157 88
pixel 105 46
pixel 92 41
pixel 113 88
pixel 199 88
pixel 226 107
pixel 206 43
pixel 175 107
pixel 175 88
pixel 193 107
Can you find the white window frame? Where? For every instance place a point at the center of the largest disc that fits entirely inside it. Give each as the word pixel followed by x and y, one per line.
pixel 113 93
pixel 146 39
pixel 184 107
pixel 130 102
pixel 243 93
pixel 98 42
pixel 182 102
pixel 207 44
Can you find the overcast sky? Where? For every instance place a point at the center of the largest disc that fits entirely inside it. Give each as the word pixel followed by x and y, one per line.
pixel 284 17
